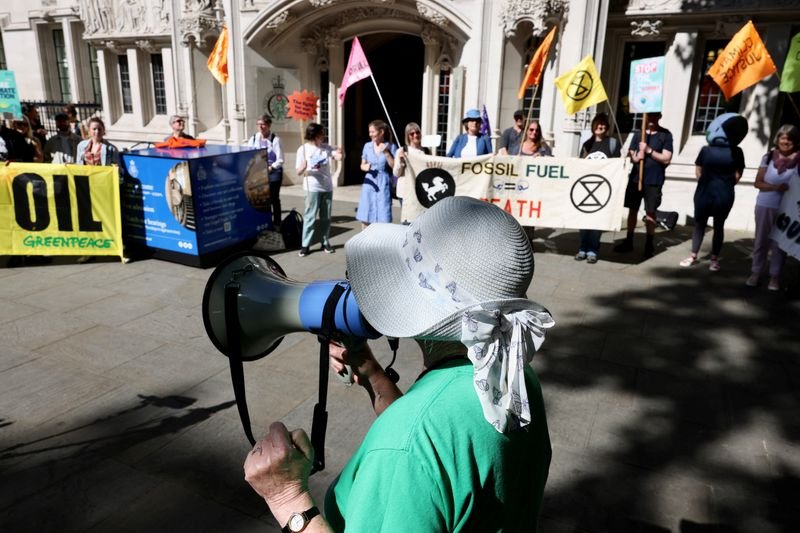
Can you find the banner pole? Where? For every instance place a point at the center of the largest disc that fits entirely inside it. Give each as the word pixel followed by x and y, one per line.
pixel 616 126
pixel 641 161
pixel 794 104
pixel 528 119
pixel 396 138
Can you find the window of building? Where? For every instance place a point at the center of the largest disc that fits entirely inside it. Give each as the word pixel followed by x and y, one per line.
pixel 62 65
pixel 125 84
pixel 442 110
pixel 159 90
pixel 3 65
pixel 710 101
pixel 95 72
pixel 324 111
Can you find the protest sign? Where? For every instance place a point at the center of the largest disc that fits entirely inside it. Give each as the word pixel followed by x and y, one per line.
pixel 10 107
pixel 543 191
pixel 302 105
pixel 59 210
pixel 786 232
pixel 646 85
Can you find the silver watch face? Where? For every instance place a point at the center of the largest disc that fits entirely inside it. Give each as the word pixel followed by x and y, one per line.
pixel 296 522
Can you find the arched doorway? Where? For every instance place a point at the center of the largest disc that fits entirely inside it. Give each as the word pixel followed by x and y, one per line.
pixel 397 63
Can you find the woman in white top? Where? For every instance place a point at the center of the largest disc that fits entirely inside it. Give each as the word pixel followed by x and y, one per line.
pixel 777 168
pixel 313 163
pixel 413 138
pixel 266 139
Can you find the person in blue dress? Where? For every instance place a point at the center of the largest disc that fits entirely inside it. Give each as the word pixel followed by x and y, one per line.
pixel 377 160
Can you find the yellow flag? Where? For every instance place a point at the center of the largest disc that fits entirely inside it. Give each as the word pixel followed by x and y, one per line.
pixel 790 77
pixel 218 59
pixel 744 62
pixel 581 87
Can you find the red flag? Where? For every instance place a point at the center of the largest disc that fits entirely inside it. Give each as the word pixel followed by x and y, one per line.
pixel 535 68
pixel 357 69
pixel 218 59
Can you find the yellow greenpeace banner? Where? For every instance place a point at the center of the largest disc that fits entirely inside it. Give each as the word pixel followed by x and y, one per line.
pixel 59 210
pixel 554 192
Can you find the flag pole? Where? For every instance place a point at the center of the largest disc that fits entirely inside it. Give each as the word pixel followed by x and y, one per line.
pixel 794 104
pixel 641 161
pixel 384 106
pixel 616 125
pixel 528 120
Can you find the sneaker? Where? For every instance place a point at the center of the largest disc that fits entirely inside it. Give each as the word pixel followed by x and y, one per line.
pixel 591 259
pixel 752 281
pixel 303 251
pixel 714 266
pixel 580 256
pixel 624 247
pixel 689 261
pixel 774 284
pixel 328 249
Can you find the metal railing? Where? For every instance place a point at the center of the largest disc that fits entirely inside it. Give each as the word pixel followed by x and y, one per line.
pixel 48 109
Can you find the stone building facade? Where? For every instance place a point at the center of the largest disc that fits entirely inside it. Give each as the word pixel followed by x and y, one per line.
pixel 432 59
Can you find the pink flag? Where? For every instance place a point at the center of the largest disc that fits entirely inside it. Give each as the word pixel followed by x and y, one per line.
pixel 357 69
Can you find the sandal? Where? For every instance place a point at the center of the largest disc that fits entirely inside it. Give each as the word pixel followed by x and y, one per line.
pixel 689 261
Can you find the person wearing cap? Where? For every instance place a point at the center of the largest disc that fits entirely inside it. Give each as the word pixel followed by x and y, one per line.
pixel 471 142
pixel 61 147
pixel 177 123
pixel 512 137
pixel 656 152
pixel 467 446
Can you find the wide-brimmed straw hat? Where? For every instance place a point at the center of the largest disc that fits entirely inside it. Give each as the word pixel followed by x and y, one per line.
pixel 481 249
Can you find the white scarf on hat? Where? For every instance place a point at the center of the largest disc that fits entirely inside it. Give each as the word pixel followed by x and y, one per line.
pixel 499 345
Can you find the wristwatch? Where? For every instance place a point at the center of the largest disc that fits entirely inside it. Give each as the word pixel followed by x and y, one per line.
pixel 298 521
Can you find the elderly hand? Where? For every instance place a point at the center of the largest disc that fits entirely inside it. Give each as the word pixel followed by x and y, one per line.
pixel 279 465
pixel 358 356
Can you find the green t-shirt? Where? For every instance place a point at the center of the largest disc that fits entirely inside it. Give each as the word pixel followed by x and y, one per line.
pixel 431 462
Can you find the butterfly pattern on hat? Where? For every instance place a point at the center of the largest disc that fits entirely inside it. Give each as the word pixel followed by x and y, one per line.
pixel 499 345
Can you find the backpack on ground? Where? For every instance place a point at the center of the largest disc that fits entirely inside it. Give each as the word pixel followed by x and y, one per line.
pixel 292 230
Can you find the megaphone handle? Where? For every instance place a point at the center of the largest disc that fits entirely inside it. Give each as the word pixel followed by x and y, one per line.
pixel 234 354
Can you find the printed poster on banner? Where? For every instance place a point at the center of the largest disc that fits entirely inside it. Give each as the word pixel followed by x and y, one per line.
pixel 786 232
pixel 59 210
pixel 647 85
pixel 544 191
pixel 10 107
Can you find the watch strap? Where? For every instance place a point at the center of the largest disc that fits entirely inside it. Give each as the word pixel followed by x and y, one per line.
pixel 307 515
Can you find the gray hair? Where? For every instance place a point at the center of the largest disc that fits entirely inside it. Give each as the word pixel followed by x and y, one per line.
pixel 790 131
pixel 173 118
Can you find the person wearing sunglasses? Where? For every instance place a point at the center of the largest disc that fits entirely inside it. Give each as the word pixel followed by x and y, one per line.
pixel 177 123
pixel 413 139
pixel 534 144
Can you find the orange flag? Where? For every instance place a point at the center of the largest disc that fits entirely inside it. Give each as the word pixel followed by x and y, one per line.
pixel 744 62
pixel 218 59
pixel 535 68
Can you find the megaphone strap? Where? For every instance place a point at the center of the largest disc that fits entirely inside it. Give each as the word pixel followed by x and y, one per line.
pixel 235 356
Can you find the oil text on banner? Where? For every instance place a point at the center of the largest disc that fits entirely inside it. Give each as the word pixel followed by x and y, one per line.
pixel 59 210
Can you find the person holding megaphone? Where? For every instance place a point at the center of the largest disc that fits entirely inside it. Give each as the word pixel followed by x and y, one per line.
pixel 467 446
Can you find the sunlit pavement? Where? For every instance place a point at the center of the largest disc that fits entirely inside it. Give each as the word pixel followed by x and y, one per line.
pixel 671 393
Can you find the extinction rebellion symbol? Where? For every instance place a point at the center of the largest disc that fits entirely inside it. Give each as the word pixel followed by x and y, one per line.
pixel 590 193
pixel 581 86
pixel 432 185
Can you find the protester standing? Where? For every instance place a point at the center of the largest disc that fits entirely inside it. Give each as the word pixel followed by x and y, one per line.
pixel 599 146
pixel 265 138
pixel 96 150
pixel 777 168
pixel 75 125
pixel 471 143
pixel 31 113
pixel 466 448
pixel 413 138
pixel 534 144
pixel 655 149
pixel 718 168
pixel 22 145
pixel 313 164
pixel 61 147
pixel 511 137
pixel 377 160
pixel 177 123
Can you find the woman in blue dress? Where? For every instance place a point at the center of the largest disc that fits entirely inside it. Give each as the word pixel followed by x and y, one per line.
pixel 377 160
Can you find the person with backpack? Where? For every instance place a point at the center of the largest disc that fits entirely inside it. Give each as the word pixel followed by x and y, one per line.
pixel 264 138
pixel 313 164
pixel 599 146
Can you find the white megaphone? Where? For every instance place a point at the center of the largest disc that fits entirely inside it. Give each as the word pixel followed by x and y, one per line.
pixel 249 305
